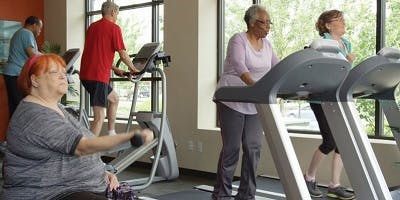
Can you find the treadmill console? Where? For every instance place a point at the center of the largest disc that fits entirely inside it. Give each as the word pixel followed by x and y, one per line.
pixel 70 57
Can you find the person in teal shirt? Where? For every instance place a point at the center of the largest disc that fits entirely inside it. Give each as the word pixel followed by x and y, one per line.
pixel 22 46
pixel 345 46
pixel 330 25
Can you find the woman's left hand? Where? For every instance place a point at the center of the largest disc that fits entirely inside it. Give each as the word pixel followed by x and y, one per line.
pixel 112 181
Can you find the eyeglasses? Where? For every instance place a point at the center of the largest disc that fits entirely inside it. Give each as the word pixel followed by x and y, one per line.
pixel 265 23
pixel 58 73
pixel 340 19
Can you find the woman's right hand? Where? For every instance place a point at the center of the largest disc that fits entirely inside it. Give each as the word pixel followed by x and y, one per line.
pixel 350 57
pixel 112 181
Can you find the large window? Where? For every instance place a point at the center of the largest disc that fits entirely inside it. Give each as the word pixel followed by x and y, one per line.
pixel 141 22
pixel 392 39
pixel 294 27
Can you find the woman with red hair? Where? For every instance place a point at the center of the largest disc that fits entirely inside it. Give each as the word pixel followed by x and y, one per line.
pixel 50 154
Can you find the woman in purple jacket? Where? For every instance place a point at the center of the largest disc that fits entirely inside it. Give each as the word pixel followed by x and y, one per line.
pixel 249 57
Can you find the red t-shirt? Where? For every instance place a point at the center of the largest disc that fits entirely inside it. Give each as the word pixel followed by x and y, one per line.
pixel 103 39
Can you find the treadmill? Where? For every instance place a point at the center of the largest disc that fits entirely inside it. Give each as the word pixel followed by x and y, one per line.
pixel 315 74
pixel 375 78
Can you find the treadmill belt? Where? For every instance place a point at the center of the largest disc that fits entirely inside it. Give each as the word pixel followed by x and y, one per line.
pixel 267 189
pixel 188 194
pixel 272 188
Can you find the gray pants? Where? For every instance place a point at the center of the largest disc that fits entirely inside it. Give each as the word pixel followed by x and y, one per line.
pixel 237 128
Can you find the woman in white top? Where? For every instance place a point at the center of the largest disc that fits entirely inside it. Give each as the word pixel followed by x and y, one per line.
pixel 249 57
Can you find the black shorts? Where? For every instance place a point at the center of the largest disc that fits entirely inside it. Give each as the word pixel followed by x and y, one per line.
pixel 98 91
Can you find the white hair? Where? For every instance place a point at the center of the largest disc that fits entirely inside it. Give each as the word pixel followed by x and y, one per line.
pixel 251 13
pixel 108 6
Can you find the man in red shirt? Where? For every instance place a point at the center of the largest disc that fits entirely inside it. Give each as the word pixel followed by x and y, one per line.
pixel 103 39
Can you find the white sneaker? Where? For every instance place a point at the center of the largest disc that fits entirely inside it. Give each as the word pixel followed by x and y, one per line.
pixel 112 132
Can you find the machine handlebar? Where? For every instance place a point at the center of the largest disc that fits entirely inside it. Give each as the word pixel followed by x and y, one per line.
pixel 150 66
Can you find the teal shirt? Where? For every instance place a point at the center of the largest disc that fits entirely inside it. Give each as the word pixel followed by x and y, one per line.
pixel 344 52
pixel 21 39
pixel 346 43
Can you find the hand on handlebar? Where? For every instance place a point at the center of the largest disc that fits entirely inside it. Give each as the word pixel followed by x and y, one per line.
pixel 119 72
pixel 132 72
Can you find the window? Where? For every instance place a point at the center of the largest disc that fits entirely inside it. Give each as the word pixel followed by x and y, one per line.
pixel 231 22
pixel 294 28
pixel 141 22
pixel 392 38
pixel 392 23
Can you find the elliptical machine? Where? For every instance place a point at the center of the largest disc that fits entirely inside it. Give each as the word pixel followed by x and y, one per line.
pixel 164 162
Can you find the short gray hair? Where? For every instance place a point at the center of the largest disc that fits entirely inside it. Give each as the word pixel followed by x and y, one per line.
pixel 108 6
pixel 251 13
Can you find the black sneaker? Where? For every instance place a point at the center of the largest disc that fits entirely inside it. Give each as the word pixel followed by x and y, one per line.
pixel 339 193
pixel 313 189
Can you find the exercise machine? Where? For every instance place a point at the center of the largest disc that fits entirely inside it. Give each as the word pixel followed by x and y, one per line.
pixel 164 161
pixel 70 56
pixel 375 78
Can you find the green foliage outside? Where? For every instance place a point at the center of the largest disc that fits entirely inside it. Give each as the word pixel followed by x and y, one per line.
pixel 294 27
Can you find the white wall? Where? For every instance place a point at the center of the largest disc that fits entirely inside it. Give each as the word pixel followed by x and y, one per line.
pixel 64 23
pixel 75 25
pixel 55 18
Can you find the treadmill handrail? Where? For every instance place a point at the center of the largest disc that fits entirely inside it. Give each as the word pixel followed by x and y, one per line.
pixel 326 66
pixel 374 78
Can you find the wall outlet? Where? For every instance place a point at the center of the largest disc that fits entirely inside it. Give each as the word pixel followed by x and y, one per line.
pixel 190 145
pixel 200 146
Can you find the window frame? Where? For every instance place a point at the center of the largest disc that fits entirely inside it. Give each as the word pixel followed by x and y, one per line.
pixel 379 44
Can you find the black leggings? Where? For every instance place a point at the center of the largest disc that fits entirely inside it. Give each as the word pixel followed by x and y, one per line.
pixel 14 96
pixel 328 143
pixel 85 195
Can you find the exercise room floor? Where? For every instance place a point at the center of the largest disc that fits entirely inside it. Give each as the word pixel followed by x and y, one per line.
pixel 182 188
pixel 186 181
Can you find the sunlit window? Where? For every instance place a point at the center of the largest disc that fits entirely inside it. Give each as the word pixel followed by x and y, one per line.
pixel 294 28
pixel 392 39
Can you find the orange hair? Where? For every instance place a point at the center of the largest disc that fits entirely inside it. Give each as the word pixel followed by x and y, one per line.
pixel 37 65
